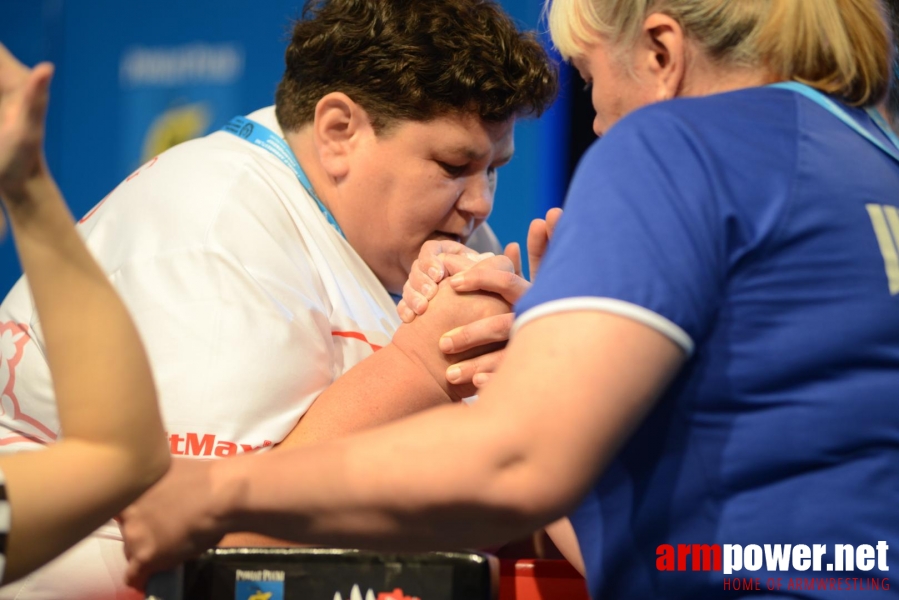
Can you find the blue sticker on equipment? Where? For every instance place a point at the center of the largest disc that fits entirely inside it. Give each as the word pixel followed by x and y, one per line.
pixel 259 585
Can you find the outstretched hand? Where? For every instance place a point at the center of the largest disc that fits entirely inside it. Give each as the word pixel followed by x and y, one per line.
pixel 24 94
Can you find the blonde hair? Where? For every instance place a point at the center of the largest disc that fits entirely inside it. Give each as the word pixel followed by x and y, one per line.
pixel 840 47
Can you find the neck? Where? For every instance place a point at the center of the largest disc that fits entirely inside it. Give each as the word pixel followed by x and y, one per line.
pixel 705 78
pixel 300 141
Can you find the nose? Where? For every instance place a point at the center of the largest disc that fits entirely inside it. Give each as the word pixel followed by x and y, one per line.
pixel 477 197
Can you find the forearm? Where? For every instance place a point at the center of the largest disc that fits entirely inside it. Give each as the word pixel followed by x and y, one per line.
pixel 101 376
pixel 406 376
pixel 571 390
pixel 461 475
pixel 60 495
pixel 522 456
pixel 385 387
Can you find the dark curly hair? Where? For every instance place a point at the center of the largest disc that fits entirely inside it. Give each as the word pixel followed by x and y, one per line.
pixel 413 60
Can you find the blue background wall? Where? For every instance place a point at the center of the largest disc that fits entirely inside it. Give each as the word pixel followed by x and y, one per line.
pixel 134 77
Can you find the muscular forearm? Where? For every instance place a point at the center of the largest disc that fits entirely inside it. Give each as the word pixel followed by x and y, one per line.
pixel 572 388
pixel 520 457
pixel 405 377
pixel 61 494
pixel 385 387
pixel 457 479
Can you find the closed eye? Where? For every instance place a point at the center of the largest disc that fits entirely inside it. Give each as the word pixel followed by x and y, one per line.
pixel 452 170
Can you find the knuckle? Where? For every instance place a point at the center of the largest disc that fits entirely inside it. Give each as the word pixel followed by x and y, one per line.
pixel 417 278
pixel 480 364
pixel 501 326
pixel 505 263
pixel 464 337
pixel 486 363
pixel 429 248
pixel 468 369
pixel 506 279
pixel 493 360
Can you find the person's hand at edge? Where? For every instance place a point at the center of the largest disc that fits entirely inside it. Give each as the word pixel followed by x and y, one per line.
pixel 24 95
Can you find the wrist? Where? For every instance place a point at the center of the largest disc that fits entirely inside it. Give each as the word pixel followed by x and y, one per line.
pixel 36 207
pixel 229 485
pixel 18 193
pixel 422 355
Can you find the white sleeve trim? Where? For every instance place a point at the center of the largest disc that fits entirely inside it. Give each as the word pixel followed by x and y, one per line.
pixel 610 305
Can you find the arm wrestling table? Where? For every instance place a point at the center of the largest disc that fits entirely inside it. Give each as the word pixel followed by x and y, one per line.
pixel 330 574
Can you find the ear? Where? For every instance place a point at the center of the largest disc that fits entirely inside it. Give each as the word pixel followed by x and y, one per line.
pixel 663 54
pixel 339 125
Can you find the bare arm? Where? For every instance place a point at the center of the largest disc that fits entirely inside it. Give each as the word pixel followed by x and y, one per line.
pixel 387 386
pixel 114 445
pixel 449 478
pixel 384 388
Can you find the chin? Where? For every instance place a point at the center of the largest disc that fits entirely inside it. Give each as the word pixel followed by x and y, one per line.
pixel 394 281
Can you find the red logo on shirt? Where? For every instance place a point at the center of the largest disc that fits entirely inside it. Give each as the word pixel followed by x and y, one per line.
pixel 208 444
pixel 13 338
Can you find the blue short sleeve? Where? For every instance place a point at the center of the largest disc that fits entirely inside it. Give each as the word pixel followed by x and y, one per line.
pixel 641 234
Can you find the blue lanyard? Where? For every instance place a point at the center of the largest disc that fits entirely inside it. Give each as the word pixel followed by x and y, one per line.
pixel 837 111
pixel 265 138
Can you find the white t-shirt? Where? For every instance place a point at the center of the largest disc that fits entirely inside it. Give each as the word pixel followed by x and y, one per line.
pixel 248 301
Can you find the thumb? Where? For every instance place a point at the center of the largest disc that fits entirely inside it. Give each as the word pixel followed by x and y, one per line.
pixel 513 253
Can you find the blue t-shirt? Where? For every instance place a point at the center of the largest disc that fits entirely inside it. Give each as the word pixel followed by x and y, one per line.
pixel 759 233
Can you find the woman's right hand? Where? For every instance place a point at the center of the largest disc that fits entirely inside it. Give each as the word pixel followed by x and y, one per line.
pixel 24 94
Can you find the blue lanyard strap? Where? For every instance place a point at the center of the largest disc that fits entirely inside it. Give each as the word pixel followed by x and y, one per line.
pixel 260 135
pixel 837 111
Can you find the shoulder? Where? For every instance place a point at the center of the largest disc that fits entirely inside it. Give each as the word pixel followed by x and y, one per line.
pixel 716 123
pixel 217 186
pixel 693 146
